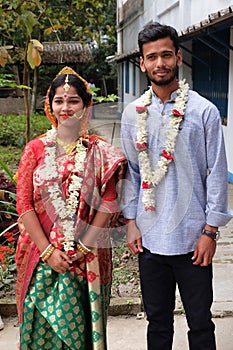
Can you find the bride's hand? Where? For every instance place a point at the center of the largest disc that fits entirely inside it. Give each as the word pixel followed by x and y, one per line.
pixel 77 256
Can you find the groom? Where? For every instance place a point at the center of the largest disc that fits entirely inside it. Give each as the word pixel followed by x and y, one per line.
pixel 176 193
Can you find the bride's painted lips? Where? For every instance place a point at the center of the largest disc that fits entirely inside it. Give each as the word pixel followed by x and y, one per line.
pixel 65 116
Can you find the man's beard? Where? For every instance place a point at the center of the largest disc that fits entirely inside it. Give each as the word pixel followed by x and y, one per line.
pixel 164 82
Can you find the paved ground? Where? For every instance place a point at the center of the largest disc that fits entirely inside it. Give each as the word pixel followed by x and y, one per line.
pixel 129 333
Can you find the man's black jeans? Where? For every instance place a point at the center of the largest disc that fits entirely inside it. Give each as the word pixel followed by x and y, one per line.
pixel 159 275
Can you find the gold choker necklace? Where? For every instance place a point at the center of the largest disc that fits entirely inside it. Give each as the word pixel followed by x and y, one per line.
pixel 68 147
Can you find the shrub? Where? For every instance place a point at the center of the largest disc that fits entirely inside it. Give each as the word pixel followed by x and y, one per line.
pixel 12 136
pixel 7 260
pixel 8 214
pixel 12 131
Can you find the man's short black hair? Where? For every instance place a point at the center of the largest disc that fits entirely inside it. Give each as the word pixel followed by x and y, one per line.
pixel 154 31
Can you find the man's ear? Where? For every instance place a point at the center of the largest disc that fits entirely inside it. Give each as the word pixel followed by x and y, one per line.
pixel 179 58
pixel 143 69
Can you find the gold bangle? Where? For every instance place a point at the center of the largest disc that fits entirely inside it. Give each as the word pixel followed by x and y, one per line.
pixel 82 249
pixel 84 246
pixel 46 250
pixel 48 253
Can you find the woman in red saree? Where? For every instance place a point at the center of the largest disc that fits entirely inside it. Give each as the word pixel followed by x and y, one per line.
pixel 68 192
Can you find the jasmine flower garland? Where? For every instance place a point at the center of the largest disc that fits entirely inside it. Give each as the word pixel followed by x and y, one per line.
pixel 65 209
pixel 152 177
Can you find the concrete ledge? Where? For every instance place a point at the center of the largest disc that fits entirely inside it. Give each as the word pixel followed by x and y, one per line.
pixel 118 306
pixel 125 306
pixel 131 306
pixel 222 309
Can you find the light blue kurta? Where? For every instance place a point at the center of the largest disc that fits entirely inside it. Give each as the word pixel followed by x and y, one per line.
pixel 186 199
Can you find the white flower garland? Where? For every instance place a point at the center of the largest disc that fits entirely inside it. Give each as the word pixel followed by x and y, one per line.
pixel 65 209
pixel 151 178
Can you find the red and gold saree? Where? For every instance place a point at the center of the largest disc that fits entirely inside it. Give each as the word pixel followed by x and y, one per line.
pixel 72 307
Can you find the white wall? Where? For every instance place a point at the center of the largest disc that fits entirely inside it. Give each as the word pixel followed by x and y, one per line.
pixel 183 13
pixel 150 13
pixel 201 9
pixel 168 12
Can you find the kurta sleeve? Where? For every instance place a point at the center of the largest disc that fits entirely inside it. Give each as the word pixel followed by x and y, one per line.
pixel 217 180
pixel 132 180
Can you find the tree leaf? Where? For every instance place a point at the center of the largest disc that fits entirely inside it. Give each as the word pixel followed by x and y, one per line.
pixel 36 44
pixel 2 61
pixel 29 56
pixel 36 57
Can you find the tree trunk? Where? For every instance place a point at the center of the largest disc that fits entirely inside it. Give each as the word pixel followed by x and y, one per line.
pixel 26 93
pixel 15 70
pixel 104 86
pixel 34 92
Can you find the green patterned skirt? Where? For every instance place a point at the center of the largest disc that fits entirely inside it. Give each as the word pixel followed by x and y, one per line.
pixel 56 312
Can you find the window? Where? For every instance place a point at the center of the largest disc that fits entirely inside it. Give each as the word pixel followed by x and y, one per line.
pixel 127 77
pixel 134 79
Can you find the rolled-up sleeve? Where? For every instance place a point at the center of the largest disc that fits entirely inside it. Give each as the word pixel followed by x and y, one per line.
pixel 217 180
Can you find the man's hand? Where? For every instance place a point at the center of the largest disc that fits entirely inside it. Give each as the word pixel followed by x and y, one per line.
pixel 134 238
pixel 204 251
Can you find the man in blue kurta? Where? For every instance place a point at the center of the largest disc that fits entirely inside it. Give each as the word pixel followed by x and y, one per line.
pixel 175 192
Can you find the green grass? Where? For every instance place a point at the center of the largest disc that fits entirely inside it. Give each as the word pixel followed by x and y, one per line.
pixel 12 136
pixel 10 155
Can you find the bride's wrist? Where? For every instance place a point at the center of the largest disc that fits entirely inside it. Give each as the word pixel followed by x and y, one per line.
pixel 82 248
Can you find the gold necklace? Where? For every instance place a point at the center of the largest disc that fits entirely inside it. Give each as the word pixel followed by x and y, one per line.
pixel 68 147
